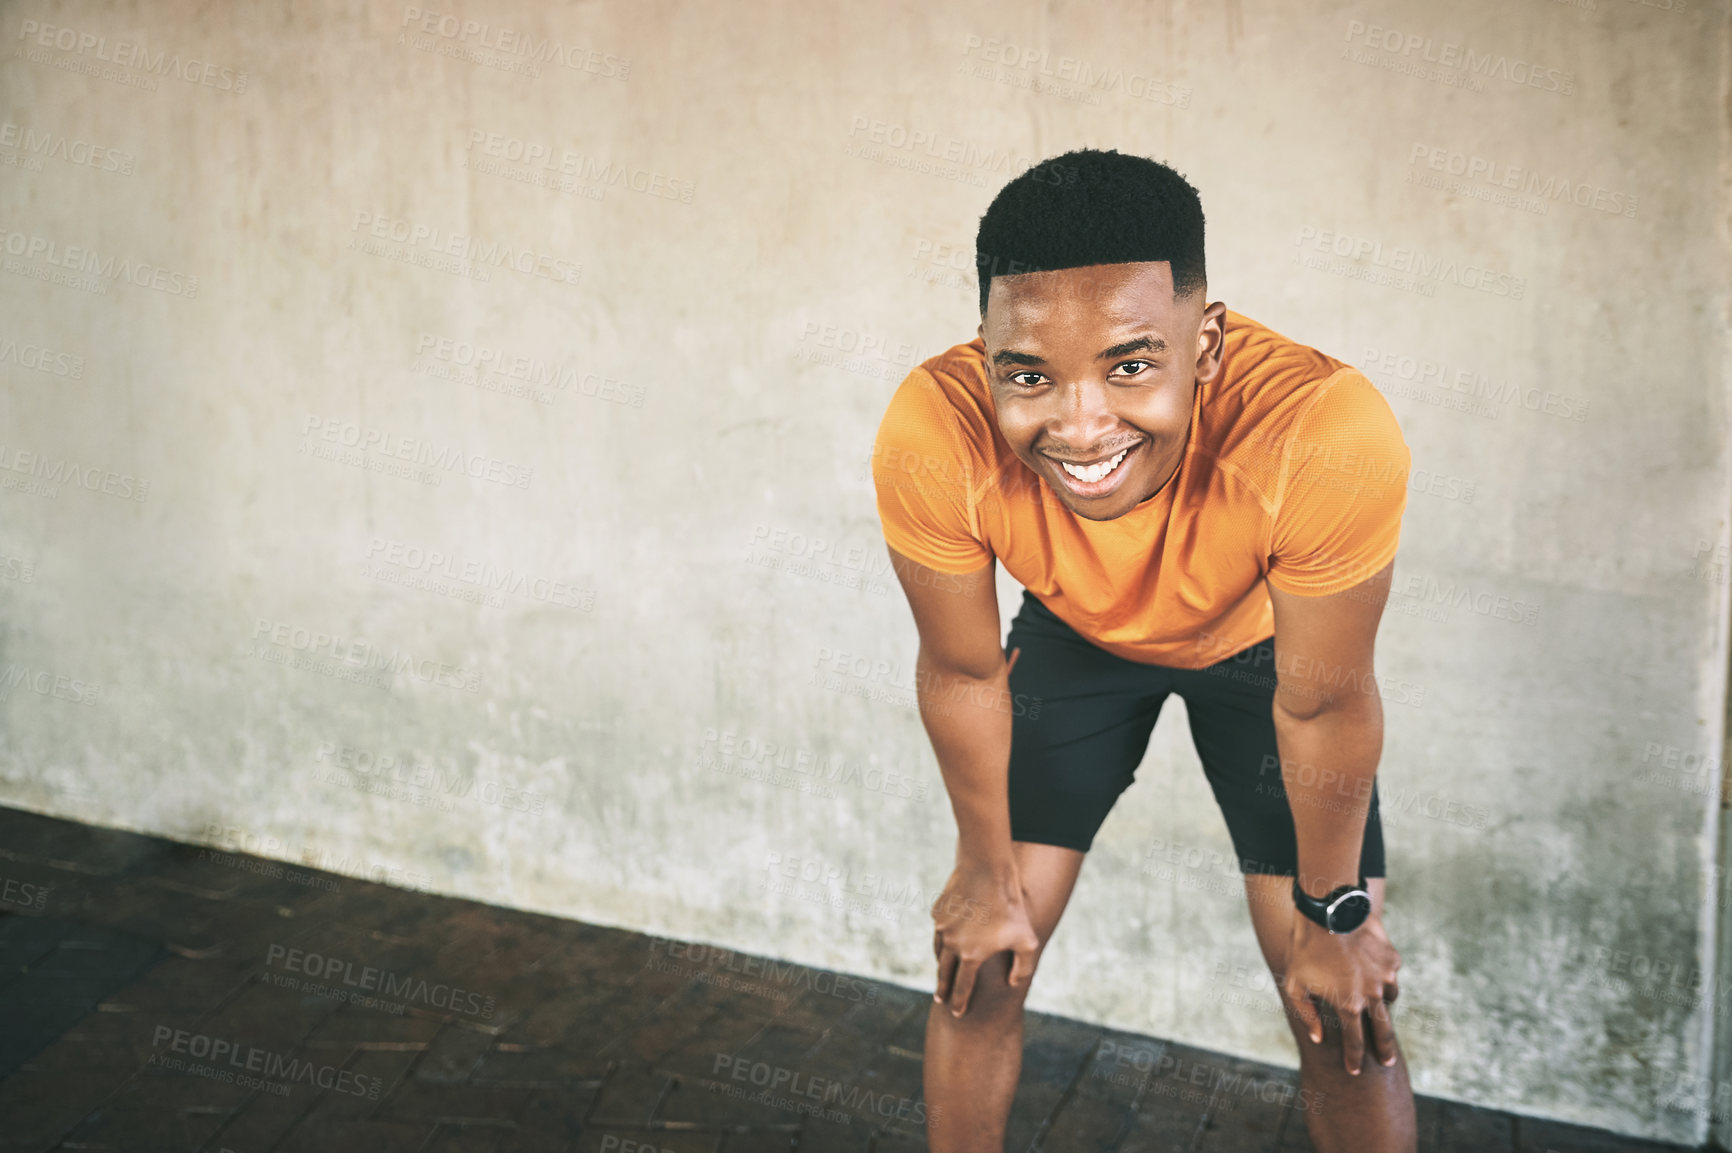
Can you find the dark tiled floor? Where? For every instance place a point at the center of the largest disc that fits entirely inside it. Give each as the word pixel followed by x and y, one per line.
pixel 155 996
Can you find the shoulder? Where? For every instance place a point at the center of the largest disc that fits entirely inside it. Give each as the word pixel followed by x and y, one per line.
pixel 959 375
pixel 1261 360
pixel 939 424
pixel 1267 398
pixel 1347 415
pixel 1272 388
pixel 945 395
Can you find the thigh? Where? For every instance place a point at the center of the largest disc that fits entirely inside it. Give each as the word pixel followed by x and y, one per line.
pixel 1230 706
pixel 1080 724
pixel 1048 874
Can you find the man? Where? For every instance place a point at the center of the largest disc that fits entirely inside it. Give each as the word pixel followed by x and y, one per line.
pixel 1194 505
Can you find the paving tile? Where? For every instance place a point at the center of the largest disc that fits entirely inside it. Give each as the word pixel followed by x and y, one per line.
pixel 42 1107
pixel 1535 1136
pixel 465 1139
pixel 816 997
pixel 162 1111
pixel 24 940
pixel 179 986
pixel 710 1049
pixel 720 1105
pixel 29 889
pixel 775 1045
pixel 631 1097
pixel 1166 1121
pixel 262 1121
pixel 372 1078
pixel 90 849
pixel 349 1027
pixel 901 1141
pixel 612 955
pixel 433 1103
pixel 453 1055
pixel 64 984
pixel 592 1032
pixel 1101 1109
pixel 620 1140
pixel 883 1087
pixel 102 1046
pixel 1296 1138
pixel 521 1142
pixel 1239 1122
pixel 243 878
pixel 604 1025
pixel 511 1064
pixel 818 1135
pixel 1466 1130
pixel 556 1115
pixel 1089 1125
pixel 1055 1053
pixel 766 1143
pixel 662 1030
pixel 349 1135
pixel 1428 1116
pixel 184 921
pixel 771 1096
pixel 260 1014
pixel 574 997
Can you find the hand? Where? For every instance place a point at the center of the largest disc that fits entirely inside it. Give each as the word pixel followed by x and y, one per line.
pixel 979 915
pixel 1354 973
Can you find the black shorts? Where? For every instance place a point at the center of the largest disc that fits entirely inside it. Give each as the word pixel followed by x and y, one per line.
pixel 1070 760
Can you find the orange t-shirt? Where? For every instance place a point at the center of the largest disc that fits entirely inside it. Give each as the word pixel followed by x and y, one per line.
pixel 1295 472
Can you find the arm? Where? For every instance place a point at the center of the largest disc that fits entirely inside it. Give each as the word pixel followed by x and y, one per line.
pixel 1329 722
pixel 1329 729
pixel 961 683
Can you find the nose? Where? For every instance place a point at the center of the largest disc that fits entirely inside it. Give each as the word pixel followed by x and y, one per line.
pixel 1083 416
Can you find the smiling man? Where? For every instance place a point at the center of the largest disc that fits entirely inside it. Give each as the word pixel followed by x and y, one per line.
pixel 1195 505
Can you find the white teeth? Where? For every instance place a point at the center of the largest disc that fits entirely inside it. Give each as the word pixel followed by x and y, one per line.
pixel 1095 473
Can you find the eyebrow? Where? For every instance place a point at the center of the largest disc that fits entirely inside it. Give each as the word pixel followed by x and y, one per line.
pixel 1007 356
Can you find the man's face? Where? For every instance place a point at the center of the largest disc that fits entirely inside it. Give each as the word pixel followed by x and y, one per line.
pixel 1096 368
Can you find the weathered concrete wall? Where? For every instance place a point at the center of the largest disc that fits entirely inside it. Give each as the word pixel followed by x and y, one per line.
pixel 644 654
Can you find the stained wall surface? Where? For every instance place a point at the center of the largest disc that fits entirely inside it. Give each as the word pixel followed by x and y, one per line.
pixel 434 446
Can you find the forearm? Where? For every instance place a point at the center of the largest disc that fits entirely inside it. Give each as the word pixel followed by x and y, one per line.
pixel 968 720
pixel 1328 764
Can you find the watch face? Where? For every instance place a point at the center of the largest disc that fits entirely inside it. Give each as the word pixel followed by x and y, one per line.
pixel 1349 913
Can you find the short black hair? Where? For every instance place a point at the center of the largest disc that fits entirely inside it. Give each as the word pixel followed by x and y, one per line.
pixel 1092 207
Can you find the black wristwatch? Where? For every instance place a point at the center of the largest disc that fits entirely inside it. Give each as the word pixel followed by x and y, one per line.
pixel 1342 911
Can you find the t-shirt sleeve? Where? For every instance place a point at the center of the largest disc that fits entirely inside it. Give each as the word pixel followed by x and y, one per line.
pixel 1339 517
pixel 924 472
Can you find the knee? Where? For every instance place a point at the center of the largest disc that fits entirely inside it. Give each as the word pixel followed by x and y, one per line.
pixel 993 995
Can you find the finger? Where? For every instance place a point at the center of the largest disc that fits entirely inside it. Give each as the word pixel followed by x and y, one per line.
pixel 937 945
pixel 1382 1032
pixel 1014 653
pixel 1391 989
pixel 966 971
pixel 1352 1039
pixel 1300 1002
pixel 1022 966
pixel 946 975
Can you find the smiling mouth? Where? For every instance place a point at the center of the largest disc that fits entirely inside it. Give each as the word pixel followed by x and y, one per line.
pixel 1099 470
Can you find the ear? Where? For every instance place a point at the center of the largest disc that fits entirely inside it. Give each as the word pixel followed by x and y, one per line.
pixel 1211 342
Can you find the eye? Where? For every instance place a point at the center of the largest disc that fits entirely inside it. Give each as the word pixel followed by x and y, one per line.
pixel 1134 367
pixel 1016 379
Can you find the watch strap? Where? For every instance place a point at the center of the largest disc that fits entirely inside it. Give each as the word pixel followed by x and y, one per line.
pixel 1318 909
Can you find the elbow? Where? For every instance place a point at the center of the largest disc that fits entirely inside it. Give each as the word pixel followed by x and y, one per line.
pixel 1302 706
pixel 981 669
pixel 1298 707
